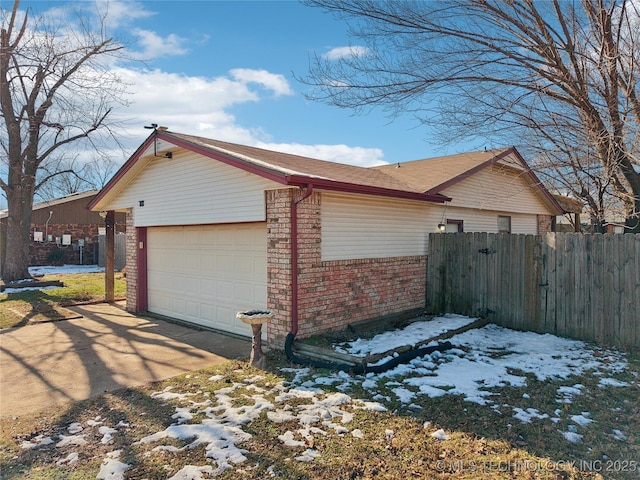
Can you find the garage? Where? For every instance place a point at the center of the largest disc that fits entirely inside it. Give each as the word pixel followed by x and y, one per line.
pixel 205 274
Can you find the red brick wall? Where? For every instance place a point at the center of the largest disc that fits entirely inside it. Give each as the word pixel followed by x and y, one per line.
pixel 279 263
pixel 332 294
pixel 336 294
pixel 544 224
pixel 39 251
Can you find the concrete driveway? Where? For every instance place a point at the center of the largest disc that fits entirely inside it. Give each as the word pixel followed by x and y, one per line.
pixel 106 349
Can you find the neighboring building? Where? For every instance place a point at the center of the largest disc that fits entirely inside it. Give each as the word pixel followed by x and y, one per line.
pixel 214 228
pixel 570 221
pixel 63 230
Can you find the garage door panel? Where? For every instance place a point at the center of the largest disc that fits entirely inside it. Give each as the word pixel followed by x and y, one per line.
pixel 192 261
pixel 243 293
pixel 160 282
pixel 178 305
pixel 226 316
pixel 192 310
pixel 208 263
pixel 204 274
pixel 224 290
pixel 224 264
pixel 244 264
pixel 259 296
pixel 260 268
pixel 191 284
pixel 207 285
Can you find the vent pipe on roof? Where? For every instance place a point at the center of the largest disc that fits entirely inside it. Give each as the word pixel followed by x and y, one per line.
pixel 155 128
pixel 294 257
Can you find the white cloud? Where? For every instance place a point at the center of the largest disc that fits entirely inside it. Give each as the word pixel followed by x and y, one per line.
pixel 342 52
pixel 358 156
pixel 185 104
pixel 154 46
pixel 272 81
pixel 121 13
pixel 175 93
pixel 200 106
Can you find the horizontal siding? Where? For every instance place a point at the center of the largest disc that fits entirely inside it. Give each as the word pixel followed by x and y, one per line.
pixel 498 188
pixel 357 227
pixel 487 221
pixel 192 189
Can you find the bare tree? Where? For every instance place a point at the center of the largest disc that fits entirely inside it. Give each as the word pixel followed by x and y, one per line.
pixel 56 93
pixel 559 79
pixel 77 175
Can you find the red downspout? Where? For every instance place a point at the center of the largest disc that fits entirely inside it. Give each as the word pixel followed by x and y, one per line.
pixel 294 257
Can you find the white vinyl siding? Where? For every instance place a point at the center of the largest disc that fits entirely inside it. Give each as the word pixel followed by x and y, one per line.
pixel 192 189
pixel 487 220
pixel 499 189
pixel 356 227
pixel 205 274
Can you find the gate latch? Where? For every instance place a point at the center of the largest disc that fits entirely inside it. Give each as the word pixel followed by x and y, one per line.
pixel 486 251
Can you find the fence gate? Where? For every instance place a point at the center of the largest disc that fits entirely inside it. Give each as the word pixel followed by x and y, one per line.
pixel 574 285
pixel 120 253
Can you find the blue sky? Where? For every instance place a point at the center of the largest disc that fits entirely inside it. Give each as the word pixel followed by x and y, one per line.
pixel 226 70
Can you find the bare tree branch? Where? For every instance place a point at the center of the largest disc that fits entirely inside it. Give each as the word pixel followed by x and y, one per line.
pixel 561 76
pixel 56 93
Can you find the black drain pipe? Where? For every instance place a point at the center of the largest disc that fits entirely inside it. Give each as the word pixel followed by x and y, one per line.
pixel 404 357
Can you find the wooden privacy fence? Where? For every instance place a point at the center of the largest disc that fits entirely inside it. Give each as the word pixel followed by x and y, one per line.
pixel 568 284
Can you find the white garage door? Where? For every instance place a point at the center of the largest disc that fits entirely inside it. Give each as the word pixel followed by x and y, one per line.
pixel 205 274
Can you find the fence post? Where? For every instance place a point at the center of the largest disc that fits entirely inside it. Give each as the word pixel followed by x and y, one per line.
pixel 110 224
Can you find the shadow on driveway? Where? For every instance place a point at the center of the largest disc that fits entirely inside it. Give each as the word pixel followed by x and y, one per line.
pixel 108 348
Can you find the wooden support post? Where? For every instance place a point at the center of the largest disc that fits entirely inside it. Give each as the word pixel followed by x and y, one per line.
pixel 109 264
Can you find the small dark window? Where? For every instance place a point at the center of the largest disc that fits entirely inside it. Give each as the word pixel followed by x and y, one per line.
pixel 504 224
pixel 454 226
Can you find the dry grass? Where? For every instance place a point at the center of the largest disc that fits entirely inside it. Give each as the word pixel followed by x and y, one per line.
pixel 481 443
pixel 18 309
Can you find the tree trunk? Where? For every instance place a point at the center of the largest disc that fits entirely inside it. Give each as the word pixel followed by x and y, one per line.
pixel 632 223
pixel 16 264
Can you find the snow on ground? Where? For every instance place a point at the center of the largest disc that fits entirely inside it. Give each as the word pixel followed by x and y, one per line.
pixel 482 360
pixel 65 269
pixel 24 289
pixel 496 357
pixel 53 270
pixel 411 335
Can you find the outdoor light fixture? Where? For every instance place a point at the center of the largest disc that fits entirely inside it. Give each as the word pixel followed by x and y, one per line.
pixel 103 213
pixel 442 227
pixel 155 128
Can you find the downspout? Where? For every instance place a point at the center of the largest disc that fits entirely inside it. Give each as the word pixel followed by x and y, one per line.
pixel 288 344
pixel 46 227
pixel 294 258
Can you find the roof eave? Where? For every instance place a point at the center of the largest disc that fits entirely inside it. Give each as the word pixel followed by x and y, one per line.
pixel 268 173
pixel 550 200
pixel 470 172
pixel 121 173
pixel 274 175
pixel 547 197
pixel 337 186
pixel 263 171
